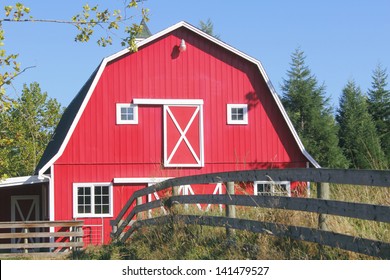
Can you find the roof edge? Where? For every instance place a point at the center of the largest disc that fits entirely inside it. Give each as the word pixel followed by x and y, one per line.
pixel 25 180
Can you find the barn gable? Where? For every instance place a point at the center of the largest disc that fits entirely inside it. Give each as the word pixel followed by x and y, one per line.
pixel 75 110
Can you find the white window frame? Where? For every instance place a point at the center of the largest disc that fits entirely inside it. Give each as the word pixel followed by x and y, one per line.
pixel 76 214
pixel 119 120
pixel 237 106
pixel 272 184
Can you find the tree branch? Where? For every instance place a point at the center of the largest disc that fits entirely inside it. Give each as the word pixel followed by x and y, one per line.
pixel 16 75
pixel 61 21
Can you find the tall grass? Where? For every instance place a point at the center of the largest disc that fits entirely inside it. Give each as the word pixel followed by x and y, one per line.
pixel 180 241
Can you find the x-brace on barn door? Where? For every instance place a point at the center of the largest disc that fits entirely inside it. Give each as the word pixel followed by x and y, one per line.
pixel 183 135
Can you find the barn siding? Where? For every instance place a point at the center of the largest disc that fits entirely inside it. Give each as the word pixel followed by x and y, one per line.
pixel 99 150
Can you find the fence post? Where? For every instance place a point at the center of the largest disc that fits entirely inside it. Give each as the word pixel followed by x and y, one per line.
pixel 322 193
pixel 25 230
pixel 175 190
pixel 230 209
pixel 139 202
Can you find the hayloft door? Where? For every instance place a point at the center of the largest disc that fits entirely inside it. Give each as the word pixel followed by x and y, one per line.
pixel 183 135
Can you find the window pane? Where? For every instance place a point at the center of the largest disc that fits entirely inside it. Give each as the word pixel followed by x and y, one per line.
pixel 80 200
pixel 102 200
pixel 237 114
pixel 83 199
pixel 80 191
pixel 127 113
pixel 106 209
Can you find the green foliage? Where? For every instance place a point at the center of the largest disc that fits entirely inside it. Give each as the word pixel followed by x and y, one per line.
pixel 308 109
pixel 358 136
pixel 90 17
pixel 379 108
pixel 25 129
pixel 208 27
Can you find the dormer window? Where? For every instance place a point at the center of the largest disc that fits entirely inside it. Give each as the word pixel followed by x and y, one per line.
pixel 126 113
pixel 237 113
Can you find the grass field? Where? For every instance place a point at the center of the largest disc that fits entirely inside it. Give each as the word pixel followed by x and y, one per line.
pixel 195 242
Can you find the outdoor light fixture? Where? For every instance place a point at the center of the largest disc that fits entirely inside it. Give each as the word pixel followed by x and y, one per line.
pixel 182 46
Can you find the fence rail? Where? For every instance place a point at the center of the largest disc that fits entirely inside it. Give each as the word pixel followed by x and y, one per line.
pixel 40 238
pixel 123 226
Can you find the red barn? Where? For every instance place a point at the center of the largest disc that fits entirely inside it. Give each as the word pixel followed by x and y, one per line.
pixel 185 103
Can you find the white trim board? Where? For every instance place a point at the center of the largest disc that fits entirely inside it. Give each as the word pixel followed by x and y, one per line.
pixel 22 181
pixel 152 101
pixel 139 180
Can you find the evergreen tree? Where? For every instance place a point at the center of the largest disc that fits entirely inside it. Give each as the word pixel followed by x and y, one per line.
pixel 379 108
pixel 312 117
pixel 358 136
pixel 208 27
pixel 29 125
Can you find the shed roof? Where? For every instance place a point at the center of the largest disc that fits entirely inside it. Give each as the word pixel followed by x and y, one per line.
pixel 22 181
pixel 75 109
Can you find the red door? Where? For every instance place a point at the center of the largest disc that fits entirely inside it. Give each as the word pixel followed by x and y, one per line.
pixel 183 136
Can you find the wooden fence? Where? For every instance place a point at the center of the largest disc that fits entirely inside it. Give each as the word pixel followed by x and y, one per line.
pixel 40 238
pixel 123 226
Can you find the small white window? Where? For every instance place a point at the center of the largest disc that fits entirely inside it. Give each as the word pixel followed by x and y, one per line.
pixel 92 200
pixel 272 188
pixel 126 113
pixel 237 113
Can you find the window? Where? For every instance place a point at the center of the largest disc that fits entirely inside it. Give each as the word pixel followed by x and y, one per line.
pixel 237 113
pixel 126 113
pixel 92 200
pixel 272 188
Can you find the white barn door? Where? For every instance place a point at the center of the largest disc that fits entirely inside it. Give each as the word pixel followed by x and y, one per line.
pixel 183 136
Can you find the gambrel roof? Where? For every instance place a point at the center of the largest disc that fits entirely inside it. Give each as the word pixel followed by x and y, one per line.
pixel 74 111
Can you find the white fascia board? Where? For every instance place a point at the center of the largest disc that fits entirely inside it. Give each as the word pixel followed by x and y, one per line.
pixel 140 180
pixel 20 181
pixel 152 101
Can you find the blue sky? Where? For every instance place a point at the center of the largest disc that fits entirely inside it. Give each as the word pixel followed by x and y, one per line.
pixel 342 40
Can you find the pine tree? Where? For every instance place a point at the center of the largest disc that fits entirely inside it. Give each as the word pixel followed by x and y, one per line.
pixel 208 27
pixel 312 117
pixel 358 136
pixel 379 107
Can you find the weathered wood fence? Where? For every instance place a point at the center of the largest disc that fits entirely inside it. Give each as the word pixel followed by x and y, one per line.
pixel 123 226
pixel 40 238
